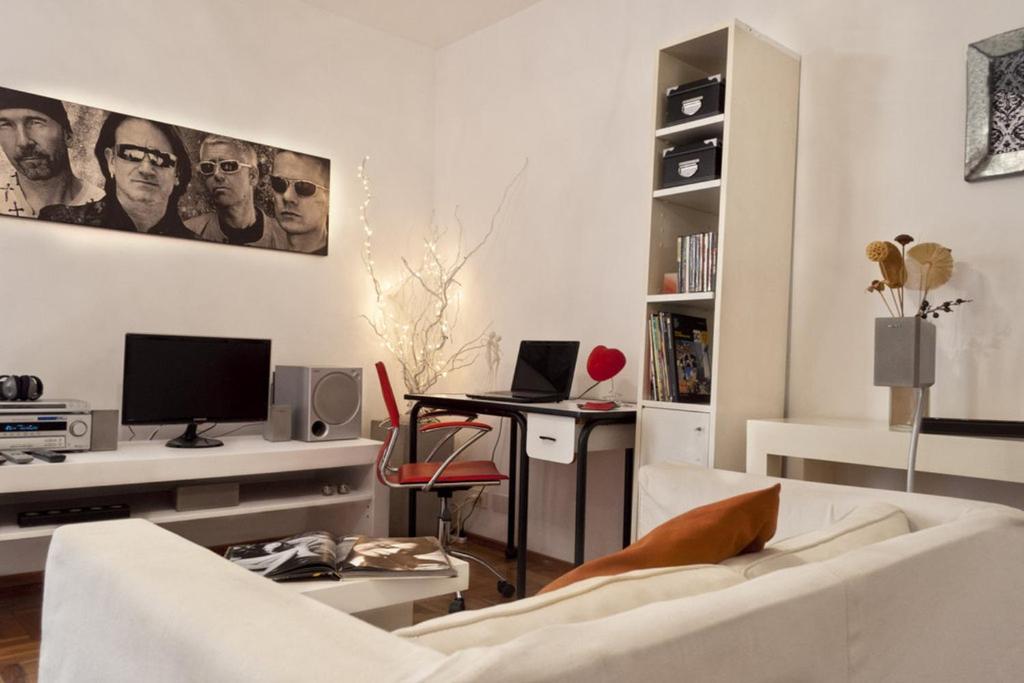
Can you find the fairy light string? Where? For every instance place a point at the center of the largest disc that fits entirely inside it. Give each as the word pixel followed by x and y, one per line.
pixel 416 313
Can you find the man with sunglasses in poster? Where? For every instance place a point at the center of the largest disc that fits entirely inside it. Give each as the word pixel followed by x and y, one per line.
pixel 229 171
pixel 147 170
pixel 301 201
pixel 35 135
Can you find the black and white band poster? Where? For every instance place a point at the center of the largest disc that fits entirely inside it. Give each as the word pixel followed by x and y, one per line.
pixel 70 163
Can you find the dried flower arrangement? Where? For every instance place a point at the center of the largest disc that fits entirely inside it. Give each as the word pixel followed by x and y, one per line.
pixel 922 268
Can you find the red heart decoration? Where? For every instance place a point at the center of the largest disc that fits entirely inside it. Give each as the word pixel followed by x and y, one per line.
pixel 604 363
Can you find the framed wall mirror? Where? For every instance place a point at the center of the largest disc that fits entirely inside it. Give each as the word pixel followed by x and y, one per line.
pixel 995 107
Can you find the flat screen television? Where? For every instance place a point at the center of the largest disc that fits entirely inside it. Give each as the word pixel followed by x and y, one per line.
pixel 172 379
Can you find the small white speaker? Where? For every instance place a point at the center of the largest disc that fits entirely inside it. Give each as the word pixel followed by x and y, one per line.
pixel 278 426
pixel 327 403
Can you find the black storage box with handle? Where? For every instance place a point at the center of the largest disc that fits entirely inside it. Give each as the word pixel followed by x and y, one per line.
pixel 695 100
pixel 693 163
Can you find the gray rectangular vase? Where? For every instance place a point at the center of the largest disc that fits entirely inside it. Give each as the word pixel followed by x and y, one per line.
pixel 904 352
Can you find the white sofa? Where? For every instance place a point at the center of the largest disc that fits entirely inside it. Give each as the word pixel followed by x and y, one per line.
pixel 128 601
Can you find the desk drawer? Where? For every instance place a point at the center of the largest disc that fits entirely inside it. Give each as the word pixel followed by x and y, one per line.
pixel 550 437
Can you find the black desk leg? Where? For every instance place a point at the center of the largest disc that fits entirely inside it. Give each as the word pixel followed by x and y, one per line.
pixel 582 449
pixel 627 499
pixel 581 506
pixel 414 417
pixel 513 455
pixel 524 499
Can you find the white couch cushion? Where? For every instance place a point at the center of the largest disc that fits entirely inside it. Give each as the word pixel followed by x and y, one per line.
pixel 787 626
pixel 862 526
pixel 581 601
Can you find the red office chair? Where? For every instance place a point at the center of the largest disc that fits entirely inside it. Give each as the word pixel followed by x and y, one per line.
pixel 442 478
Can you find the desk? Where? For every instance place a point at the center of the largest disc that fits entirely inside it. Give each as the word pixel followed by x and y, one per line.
pixel 562 433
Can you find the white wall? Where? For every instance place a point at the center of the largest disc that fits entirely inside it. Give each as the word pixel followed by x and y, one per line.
pixel 285 74
pixel 569 83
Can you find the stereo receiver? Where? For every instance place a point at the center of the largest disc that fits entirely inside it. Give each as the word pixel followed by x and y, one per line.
pixel 59 428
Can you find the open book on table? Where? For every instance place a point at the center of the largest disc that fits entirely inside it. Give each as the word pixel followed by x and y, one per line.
pixel 318 554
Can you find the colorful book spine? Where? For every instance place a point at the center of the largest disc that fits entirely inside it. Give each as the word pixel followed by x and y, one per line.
pixel 679 361
pixel 679 264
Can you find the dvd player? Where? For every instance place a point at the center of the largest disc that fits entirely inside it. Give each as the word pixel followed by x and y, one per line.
pixel 49 406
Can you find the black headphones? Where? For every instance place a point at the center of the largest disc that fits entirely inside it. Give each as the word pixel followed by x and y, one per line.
pixel 20 387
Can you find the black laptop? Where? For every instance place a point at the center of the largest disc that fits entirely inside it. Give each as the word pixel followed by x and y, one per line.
pixel 544 371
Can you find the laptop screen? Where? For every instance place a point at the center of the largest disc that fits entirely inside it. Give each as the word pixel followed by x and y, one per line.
pixel 546 366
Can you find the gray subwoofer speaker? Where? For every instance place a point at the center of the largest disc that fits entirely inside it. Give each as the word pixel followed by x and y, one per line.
pixel 327 403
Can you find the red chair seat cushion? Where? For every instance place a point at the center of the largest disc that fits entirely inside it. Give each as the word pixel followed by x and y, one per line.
pixel 459 472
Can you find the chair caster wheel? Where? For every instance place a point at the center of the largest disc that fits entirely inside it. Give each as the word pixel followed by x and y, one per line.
pixel 506 589
pixel 457 605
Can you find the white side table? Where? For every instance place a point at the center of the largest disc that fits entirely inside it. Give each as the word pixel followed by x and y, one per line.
pixel 384 601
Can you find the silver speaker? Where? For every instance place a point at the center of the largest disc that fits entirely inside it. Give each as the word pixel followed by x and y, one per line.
pixel 278 426
pixel 104 430
pixel 327 403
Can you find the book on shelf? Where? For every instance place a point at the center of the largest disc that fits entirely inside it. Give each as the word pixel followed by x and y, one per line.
pixel 696 262
pixel 319 554
pixel 691 355
pixel 680 358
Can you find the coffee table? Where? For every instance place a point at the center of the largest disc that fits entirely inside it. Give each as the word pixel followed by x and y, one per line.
pixel 382 601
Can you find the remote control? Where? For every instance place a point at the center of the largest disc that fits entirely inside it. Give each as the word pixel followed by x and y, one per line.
pixel 19 457
pixel 48 456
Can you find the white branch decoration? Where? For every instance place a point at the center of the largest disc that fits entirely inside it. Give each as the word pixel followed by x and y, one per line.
pixel 416 315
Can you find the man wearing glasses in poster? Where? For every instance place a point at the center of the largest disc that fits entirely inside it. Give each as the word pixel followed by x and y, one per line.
pixel 301 202
pixel 229 171
pixel 147 170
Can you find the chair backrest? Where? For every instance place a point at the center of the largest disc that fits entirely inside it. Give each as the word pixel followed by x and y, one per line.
pixel 390 441
pixel 388 393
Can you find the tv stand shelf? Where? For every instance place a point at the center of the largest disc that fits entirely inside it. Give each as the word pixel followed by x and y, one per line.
pixel 151 461
pixel 280 491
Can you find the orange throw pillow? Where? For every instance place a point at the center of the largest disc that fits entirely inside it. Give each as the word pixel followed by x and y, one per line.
pixel 704 535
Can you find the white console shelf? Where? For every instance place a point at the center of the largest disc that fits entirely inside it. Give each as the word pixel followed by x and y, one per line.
pixel 280 491
pixel 151 461
pixel 873 443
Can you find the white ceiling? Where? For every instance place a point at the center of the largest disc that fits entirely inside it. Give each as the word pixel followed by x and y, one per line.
pixel 431 22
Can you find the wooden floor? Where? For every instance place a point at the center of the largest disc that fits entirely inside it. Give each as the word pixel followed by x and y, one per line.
pixel 20 609
pixel 483 587
pixel 21 605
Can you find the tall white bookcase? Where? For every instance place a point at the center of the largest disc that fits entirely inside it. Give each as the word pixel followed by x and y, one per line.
pixel 751 209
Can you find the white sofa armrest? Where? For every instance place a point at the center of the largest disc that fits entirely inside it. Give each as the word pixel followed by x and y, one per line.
pixel 128 601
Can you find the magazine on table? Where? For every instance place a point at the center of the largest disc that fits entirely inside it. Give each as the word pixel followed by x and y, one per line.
pixel 319 554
